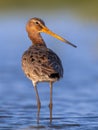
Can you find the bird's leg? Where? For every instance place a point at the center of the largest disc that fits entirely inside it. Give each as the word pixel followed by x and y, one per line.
pixel 38 115
pixel 37 97
pixel 51 104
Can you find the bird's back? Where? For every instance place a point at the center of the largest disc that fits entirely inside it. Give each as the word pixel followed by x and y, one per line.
pixel 41 64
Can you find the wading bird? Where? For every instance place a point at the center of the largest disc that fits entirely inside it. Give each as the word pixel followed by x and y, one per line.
pixel 39 63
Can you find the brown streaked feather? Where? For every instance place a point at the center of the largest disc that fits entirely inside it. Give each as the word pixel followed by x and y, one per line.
pixel 42 64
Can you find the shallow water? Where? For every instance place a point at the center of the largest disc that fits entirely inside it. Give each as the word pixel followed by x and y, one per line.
pixel 75 97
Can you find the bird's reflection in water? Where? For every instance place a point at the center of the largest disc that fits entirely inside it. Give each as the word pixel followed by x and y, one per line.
pixel 38 115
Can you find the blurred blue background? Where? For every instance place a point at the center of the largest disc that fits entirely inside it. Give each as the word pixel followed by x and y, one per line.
pixel 75 96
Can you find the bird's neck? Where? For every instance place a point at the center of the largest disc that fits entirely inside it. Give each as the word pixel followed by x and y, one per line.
pixel 36 38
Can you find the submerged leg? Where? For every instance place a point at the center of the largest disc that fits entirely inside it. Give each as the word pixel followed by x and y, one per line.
pixel 37 97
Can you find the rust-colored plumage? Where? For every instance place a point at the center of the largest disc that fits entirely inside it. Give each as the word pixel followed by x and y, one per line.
pixel 39 63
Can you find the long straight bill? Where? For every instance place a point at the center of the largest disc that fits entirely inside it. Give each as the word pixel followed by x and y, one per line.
pixel 46 30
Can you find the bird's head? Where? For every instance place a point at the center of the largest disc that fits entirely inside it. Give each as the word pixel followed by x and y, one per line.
pixel 36 25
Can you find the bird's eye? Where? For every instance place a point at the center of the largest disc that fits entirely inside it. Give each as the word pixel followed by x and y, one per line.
pixel 36 22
